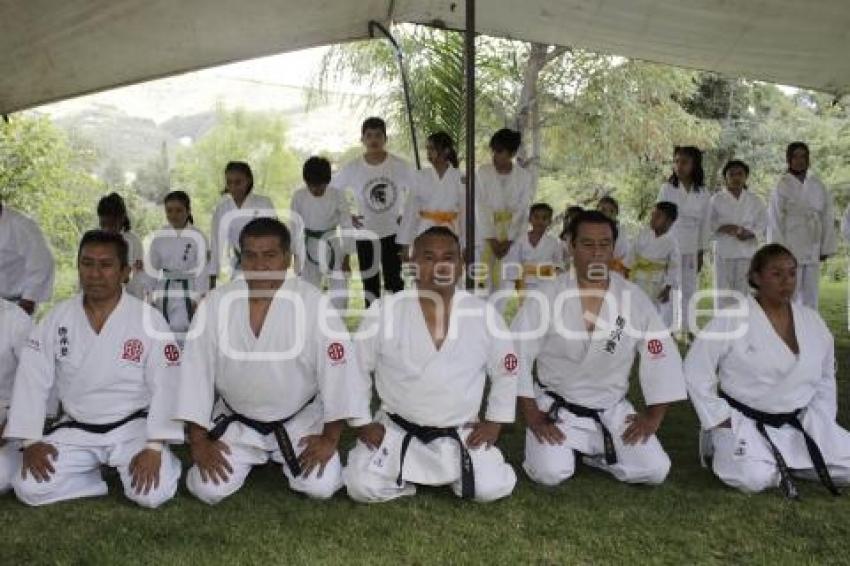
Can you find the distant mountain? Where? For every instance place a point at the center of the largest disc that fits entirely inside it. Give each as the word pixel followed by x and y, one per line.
pixel 119 138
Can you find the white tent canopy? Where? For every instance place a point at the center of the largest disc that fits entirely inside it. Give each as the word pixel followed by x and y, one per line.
pixel 52 49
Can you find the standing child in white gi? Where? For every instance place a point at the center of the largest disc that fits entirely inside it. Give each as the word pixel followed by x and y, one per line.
pixel 238 205
pixel 438 198
pixel 534 258
pixel 685 188
pixel 178 254
pixel 112 217
pixel 380 181
pixel 15 327
pixel 584 339
pixel 115 365
pixel 609 206
pixel 27 268
pixel 318 210
pixel 763 385
pixel 738 218
pixel 504 193
pixel 653 259
pixel 800 216
pixel 431 349
pixel 269 375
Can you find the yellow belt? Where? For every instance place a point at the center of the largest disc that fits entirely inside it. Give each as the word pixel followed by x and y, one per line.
pixel 538 270
pixel 643 265
pixel 439 216
pixel 502 222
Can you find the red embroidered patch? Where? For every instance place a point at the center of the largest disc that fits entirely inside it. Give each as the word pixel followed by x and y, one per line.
pixel 133 350
pixel 336 351
pixel 511 363
pixel 655 346
pixel 171 352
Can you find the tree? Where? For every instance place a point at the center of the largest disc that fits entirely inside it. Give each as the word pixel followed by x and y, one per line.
pixel 256 137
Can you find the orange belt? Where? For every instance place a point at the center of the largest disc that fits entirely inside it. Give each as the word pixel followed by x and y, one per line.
pixel 439 216
pixel 618 266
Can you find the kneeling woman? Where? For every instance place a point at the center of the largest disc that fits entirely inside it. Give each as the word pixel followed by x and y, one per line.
pixel 763 384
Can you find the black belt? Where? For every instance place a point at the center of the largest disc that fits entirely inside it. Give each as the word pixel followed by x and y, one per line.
pixel 186 297
pixel 427 434
pixel 264 427
pixel 96 428
pixel 559 402
pixel 776 420
pixel 318 235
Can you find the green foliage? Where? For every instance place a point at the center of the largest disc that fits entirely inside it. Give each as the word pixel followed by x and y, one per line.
pixel 43 176
pixel 239 135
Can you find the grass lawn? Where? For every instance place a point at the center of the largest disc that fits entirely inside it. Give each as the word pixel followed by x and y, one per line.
pixel 692 518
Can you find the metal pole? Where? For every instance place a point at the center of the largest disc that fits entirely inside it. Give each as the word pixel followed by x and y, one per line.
pixel 405 86
pixel 469 87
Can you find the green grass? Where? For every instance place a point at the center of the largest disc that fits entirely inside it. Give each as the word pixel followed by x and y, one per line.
pixel 590 519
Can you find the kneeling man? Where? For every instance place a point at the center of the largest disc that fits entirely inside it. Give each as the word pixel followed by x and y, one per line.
pixel 114 363
pixel 431 349
pixel 584 332
pixel 277 357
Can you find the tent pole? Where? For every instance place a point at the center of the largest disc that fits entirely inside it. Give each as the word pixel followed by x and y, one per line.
pixel 405 85
pixel 469 89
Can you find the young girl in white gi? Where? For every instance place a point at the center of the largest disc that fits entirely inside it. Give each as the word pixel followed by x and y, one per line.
pixel 178 255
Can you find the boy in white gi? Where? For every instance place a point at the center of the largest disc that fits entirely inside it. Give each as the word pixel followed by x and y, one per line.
pixel 430 349
pixel 584 335
pixel 27 268
pixel 278 356
pixel 534 258
pixel 763 385
pixel 609 206
pixel 380 182
pixel 653 259
pixel 738 218
pixel 800 216
pixel 504 193
pixel 15 327
pixel 317 211
pixel 115 364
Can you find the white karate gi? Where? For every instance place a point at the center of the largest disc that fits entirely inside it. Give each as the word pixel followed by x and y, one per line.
pixel 653 263
pixel 140 283
pixel 800 216
pixel 380 191
pixel 731 255
pixel 434 201
pixel 27 268
pixel 692 232
pixel 753 365
pixel 531 265
pixel 227 223
pixel 268 378
pixel 315 221
pixel 440 388
pixel 15 327
pixel 592 370
pixel 502 203
pixel 180 260
pixel 101 378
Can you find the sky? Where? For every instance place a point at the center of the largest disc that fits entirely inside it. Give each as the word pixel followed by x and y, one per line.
pixel 276 83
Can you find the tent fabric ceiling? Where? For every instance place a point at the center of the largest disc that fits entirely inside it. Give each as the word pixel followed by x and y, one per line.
pixel 53 50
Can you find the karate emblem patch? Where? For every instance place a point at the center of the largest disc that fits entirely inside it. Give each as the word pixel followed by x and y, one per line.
pixel 381 194
pixel 511 363
pixel 172 354
pixel 655 347
pixel 336 352
pixel 133 350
